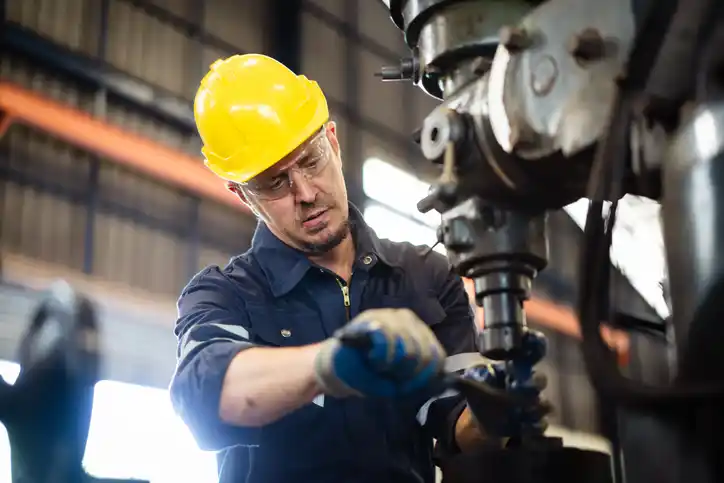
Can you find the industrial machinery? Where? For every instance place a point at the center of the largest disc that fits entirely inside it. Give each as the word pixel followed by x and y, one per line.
pixel 546 102
pixel 47 411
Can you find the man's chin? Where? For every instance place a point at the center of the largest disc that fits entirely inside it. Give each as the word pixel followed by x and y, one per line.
pixel 325 239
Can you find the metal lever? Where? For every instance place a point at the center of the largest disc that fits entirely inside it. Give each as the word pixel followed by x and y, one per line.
pixel 408 69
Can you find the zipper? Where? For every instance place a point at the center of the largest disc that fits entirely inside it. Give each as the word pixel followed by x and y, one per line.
pixel 345 295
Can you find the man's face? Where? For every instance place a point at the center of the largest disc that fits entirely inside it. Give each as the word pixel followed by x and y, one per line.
pixel 303 198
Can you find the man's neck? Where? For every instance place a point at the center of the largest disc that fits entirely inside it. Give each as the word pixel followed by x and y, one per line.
pixel 339 259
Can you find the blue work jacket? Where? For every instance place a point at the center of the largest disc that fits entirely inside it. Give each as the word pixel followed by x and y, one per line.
pixel 274 296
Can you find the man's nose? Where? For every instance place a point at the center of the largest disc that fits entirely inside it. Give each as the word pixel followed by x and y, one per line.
pixel 303 189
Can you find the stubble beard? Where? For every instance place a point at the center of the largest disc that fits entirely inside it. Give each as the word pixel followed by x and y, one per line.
pixel 332 241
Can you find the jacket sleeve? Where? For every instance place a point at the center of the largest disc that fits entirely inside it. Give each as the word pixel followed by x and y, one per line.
pixel 212 328
pixel 457 333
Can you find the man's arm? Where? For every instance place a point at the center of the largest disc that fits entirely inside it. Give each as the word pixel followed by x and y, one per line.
pixel 447 416
pixel 225 386
pixel 264 384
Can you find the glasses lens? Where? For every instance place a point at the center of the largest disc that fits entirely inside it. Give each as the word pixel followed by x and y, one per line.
pixel 316 160
pixel 269 187
pixel 311 162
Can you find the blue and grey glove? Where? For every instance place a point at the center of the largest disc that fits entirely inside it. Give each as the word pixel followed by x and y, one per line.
pixel 380 353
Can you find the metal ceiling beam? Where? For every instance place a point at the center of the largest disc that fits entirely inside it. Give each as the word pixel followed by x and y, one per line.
pixel 96 74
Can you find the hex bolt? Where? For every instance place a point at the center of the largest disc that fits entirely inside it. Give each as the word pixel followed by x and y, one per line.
pixel 588 45
pixel 514 39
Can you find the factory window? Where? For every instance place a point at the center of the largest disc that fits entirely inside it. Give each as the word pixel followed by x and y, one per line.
pixel 637 248
pixel 392 211
pixel 8 371
pixel 134 433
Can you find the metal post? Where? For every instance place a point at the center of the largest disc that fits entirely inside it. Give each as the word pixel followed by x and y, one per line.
pixel 194 236
pixel 99 110
pixel 353 149
pixel 195 67
pixel 105 13
pixel 91 210
pixel 285 30
pixel 196 70
pixel 4 156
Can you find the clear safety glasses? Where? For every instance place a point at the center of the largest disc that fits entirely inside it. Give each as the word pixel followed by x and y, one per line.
pixel 308 162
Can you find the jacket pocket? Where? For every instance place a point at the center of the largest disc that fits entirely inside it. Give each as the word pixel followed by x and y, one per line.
pixel 276 327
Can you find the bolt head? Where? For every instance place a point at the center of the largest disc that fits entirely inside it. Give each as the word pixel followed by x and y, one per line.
pixel 514 39
pixel 588 45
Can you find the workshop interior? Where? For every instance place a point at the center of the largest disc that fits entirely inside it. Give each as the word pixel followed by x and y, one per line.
pixel 560 153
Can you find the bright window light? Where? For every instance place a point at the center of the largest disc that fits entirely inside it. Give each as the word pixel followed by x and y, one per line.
pixel 134 434
pixel 9 371
pixel 637 248
pixel 396 188
pixel 388 224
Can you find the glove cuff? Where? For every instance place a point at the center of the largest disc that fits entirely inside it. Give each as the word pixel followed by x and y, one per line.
pixel 327 379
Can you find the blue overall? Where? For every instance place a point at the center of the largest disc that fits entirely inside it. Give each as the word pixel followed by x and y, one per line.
pixel 274 296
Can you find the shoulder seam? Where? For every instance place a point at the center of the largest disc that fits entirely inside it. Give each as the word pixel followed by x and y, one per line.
pixel 236 290
pixel 196 279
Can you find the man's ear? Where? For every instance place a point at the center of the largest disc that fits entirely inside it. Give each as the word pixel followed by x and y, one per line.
pixel 236 189
pixel 331 128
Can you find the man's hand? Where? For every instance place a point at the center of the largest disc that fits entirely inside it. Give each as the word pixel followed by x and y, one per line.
pixel 469 435
pixel 519 378
pixel 381 352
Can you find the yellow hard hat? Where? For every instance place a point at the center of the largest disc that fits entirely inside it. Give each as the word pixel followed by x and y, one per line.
pixel 251 111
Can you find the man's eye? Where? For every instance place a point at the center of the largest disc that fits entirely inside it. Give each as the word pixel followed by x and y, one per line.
pixel 310 163
pixel 276 184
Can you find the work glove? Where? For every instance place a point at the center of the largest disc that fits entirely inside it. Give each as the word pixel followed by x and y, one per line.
pixel 380 353
pixel 517 377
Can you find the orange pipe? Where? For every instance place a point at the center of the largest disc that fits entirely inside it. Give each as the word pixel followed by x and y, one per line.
pixel 131 150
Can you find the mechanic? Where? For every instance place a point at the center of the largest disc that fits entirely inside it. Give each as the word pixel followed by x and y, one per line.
pixel 262 377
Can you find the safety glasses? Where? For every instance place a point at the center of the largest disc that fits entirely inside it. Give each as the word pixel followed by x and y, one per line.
pixel 309 163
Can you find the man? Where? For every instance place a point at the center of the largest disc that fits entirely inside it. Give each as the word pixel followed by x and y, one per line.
pixel 312 357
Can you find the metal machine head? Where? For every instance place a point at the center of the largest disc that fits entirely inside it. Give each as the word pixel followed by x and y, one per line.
pixel 543 103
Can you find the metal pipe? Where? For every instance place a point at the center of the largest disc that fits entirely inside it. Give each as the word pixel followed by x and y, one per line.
pixel 132 150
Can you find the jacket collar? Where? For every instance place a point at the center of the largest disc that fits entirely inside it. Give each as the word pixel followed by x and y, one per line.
pixel 284 266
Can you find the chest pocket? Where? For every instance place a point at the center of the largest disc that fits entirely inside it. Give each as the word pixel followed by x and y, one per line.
pixel 276 326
